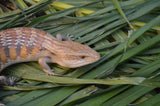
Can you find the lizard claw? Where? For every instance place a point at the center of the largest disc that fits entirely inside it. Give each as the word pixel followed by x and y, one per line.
pixel 49 72
pixel 12 80
pixel 7 81
pixel 70 37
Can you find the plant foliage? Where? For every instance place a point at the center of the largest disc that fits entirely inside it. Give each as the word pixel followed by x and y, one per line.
pixel 126 33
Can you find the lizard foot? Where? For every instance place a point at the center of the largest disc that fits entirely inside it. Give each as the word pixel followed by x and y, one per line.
pixel 70 37
pixel 49 72
pixel 65 38
pixel 7 81
pixel 12 80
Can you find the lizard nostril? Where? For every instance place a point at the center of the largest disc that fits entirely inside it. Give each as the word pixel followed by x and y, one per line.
pixel 97 56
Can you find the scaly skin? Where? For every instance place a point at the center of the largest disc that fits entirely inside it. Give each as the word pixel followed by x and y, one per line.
pixel 29 44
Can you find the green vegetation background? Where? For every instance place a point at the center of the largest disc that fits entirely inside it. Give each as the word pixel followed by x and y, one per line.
pixel 126 33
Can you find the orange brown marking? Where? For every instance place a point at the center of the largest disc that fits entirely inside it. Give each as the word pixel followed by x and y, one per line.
pixel 12 52
pixel 35 51
pixel 23 53
pixel 3 56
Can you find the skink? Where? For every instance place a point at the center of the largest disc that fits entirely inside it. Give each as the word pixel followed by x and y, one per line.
pixel 25 44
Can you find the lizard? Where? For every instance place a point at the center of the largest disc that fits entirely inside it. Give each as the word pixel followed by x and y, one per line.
pixel 23 44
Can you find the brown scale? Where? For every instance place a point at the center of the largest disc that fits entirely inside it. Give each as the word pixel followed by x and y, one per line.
pixel 35 42
pixel 3 56
pixel 12 47
pixel 28 45
pixel 18 44
pixel 23 51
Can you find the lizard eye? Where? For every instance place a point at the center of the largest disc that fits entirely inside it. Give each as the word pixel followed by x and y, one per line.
pixel 81 57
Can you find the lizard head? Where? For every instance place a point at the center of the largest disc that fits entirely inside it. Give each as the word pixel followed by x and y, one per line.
pixel 72 54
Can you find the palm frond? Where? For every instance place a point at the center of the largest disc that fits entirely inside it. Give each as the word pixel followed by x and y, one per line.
pixel 128 71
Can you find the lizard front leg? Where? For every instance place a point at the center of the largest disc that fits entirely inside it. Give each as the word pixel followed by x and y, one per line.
pixel 48 59
pixel 3 80
pixel 43 63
